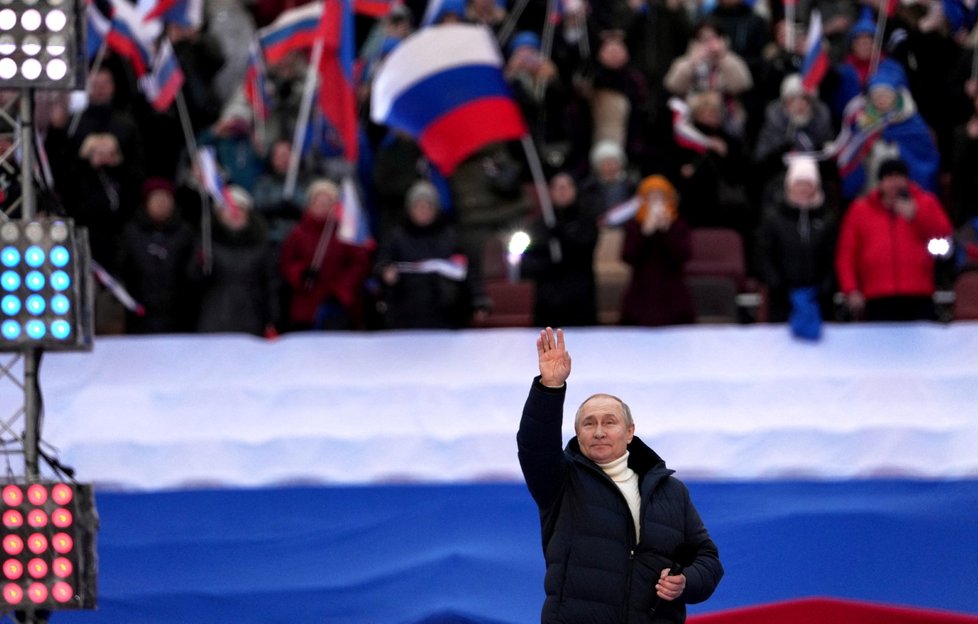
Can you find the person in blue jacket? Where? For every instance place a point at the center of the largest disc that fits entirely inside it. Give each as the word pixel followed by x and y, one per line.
pixel 901 132
pixel 622 540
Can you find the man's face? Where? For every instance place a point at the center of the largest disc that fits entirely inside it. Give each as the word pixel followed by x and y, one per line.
pixel 891 187
pixel 602 431
pixel 562 190
pixel 802 193
pixel 862 47
pixel 102 88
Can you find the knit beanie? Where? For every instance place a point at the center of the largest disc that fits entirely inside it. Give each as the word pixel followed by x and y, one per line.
pixel 422 190
pixel 802 168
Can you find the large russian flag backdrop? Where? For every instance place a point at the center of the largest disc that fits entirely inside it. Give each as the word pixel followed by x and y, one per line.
pixel 444 86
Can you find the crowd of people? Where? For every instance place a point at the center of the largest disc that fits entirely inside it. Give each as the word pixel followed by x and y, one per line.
pixel 696 111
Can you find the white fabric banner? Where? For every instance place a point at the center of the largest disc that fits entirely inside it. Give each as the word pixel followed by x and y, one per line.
pixel 717 402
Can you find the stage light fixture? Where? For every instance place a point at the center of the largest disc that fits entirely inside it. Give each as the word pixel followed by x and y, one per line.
pixel 45 286
pixel 41 44
pixel 50 562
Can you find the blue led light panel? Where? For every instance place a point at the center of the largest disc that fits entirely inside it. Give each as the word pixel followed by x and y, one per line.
pixel 39 279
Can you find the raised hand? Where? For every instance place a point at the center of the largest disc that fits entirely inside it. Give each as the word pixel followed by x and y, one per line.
pixel 555 361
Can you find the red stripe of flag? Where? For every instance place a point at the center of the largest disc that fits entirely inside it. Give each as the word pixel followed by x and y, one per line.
pixel 456 135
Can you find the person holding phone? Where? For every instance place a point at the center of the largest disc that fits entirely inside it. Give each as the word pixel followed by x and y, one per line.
pixel 884 260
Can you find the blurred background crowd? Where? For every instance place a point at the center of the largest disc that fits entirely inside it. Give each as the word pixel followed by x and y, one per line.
pixel 698 165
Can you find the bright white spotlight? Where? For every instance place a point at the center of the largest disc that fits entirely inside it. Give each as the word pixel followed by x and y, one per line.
pixel 518 243
pixel 31 45
pixel 8 19
pixel 940 247
pixel 55 20
pixel 56 69
pixel 8 68
pixel 30 20
pixel 31 69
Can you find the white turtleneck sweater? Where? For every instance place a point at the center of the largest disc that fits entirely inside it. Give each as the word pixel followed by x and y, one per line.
pixel 627 481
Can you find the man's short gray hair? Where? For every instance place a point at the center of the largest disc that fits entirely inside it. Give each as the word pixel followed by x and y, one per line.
pixel 627 411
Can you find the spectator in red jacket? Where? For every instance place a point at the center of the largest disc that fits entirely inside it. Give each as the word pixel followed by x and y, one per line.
pixel 325 274
pixel 883 261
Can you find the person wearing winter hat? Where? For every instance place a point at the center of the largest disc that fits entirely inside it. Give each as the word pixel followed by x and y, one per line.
pixel 658 243
pixel 155 249
pixel 422 191
pixel 325 273
pixel 415 295
pixel 854 71
pixel 883 263
pixel 796 243
pixel 610 181
pixel 238 292
pixel 889 105
pixel 796 122
pixel 803 183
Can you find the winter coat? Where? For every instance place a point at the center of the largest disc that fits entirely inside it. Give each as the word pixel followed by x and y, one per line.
pixel 239 293
pixel 657 293
pixel 565 290
pixel 339 279
pixel 153 262
pixel 102 199
pixel 596 570
pixel 796 249
pixel 881 254
pixel 423 300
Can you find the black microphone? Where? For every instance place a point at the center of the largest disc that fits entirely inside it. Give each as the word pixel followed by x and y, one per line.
pixel 682 557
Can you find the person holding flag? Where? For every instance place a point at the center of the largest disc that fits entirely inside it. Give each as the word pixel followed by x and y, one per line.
pixel 155 251
pixel 796 122
pixel 324 272
pixel 419 292
pixel 854 71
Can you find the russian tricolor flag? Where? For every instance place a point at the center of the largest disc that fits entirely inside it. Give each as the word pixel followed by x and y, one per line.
pixel 816 62
pixel 210 176
pixel 444 86
pixel 337 99
pixel 163 82
pixel 372 8
pixel 294 29
pixel 183 12
pixel 125 32
pixel 98 20
pixel 353 226
pixel 684 133
pixel 255 86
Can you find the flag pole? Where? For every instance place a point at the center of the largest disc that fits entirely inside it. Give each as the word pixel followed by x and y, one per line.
pixel 96 65
pixel 305 110
pixel 547 44
pixel 790 10
pixel 506 31
pixel 259 119
pixel 321 246
pixel 874 62
pixel 205 207
pixel 543 192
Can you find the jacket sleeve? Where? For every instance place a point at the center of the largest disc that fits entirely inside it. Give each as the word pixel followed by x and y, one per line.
pixel 930 221
pixel 703 576
pixel 291 261
pixel 845 255
pixel 539 442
